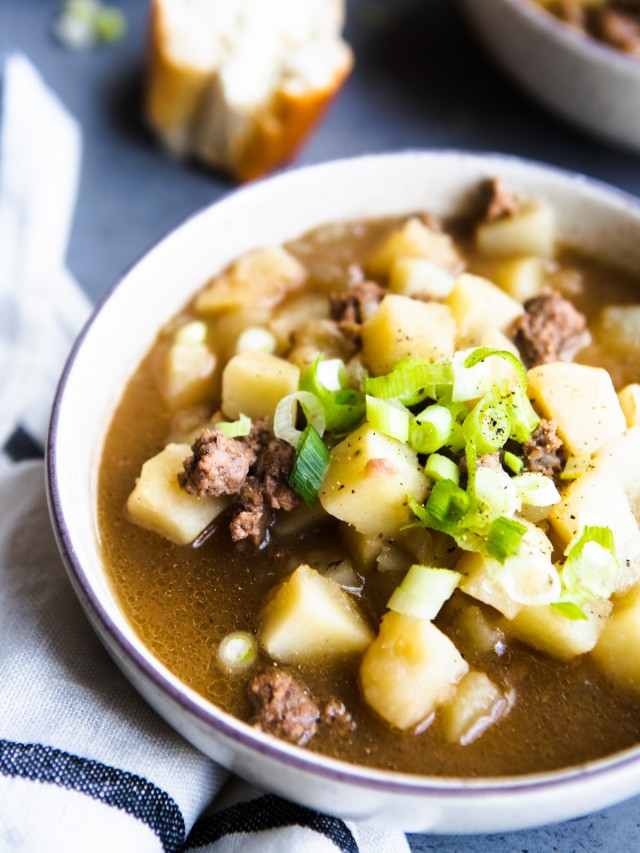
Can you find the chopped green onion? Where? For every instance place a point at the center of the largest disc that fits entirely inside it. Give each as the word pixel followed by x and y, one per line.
pixel 191 333
pixel 504 537
pixel 447 502
pixel 430 429
pixel 286 416
pixel 514 463
pixel 575 467
pixel 238 651
pixel 590 571
pixel 470 383
pixel 310 465
pixel 522 417
pixel 423 591
pixel 529 578
pixel 479 355
pixel 389 417
pixel 534 489
pixel 344 408
pixel 494 490
pixel 440 467
pixel 256 339
pixel 488 425
pixel 234 429
pixel 411 383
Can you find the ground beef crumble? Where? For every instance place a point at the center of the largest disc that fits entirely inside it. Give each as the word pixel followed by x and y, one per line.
pixel 283 707
pixel 544 452
pixel 254 469
pixel 550 329
pixel 350 308
pixel 497 200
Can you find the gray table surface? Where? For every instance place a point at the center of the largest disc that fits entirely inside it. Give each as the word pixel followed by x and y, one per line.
pixel 420 81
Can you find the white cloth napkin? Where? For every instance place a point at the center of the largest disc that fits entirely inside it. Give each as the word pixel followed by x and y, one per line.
pixel 85 764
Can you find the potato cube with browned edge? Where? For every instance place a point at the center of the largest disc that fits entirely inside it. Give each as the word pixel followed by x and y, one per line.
pixel 409 670
pixel 159 503
pixel 581 400
pixel 478 306
pixel 406 328
pixel 253 383
pixel 369 478
pixel 477 704
pixel 616 651
pixel 311 618
pixel 529 231
pixel 413 239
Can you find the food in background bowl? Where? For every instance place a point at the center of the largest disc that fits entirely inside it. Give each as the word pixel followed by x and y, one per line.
pixel 381 509
pixel 602 222
pixel 239 84
pixel 613 22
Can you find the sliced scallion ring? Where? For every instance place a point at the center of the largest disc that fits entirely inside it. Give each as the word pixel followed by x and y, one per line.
pixel 237 651
pixel 310 465
pixel 286 416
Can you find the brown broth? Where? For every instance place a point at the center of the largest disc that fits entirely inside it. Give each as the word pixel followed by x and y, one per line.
pixel 182 600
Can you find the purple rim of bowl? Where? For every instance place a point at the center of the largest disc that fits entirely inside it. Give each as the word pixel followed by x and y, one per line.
pixel 583 42
pixel 390 782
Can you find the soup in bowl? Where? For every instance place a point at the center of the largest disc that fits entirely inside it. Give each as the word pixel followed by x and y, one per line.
pixel 343 473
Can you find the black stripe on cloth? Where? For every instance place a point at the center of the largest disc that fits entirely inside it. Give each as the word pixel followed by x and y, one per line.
pixel 132 794
pixel 269 812
pixel 20 446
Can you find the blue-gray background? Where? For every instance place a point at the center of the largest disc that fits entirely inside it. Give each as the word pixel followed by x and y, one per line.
pixel 420 80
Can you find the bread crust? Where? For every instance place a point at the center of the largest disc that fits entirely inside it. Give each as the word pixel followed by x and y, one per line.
pixel 178 100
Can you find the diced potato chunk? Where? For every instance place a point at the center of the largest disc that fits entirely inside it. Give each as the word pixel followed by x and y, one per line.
pixel 478 305
pixel 253 383
pixel 478 703
pixel 296 311
pixel 186 374
pixel 263 276
pixel 420 277
pixel 629 399
pixel 597 498
pixel 482 574
pixel 498 340
pixel 530 231
pixel 616 651
pixel 582 401
pixel 409 670
pixel 622 457
pixel 406 328
pixel 547 630
pixel 413 239
pixel 160 504
pixel 620 327
pixel 521 278
pixel 368 480
pixel 363 549
pixel 311 618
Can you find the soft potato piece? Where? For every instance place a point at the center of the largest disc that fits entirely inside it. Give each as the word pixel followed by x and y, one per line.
pixel 296 311
pixel 160 504
pixel 368 480
pixel 406 328
pixel 420 277
pixel 478 306
pixel 481 574
pixel 547 630
pixel 620 327
pixel 413 239
pixel 530 231
pixel 253 383
pixel 498 340
pixel 616 651
pixel 186 374
pixel 582 401
pixel 311 618
pixel 521 278
pixel 629 399
pixel 598 498
pixel 409 670
pixel 622 457
pixel 363 549
pixel 262 276
pixel 478 703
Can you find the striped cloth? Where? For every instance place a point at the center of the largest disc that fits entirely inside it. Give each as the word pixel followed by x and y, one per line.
pixel 85 764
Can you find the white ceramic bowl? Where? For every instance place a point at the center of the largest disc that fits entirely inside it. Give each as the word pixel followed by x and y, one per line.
pixel 119 334
pixel 589 83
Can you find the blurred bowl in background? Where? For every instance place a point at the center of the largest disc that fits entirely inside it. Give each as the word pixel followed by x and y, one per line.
pixel 591 84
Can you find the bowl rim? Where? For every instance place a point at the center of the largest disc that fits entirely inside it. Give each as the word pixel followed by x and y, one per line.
pixel 203 711
pixel 583 43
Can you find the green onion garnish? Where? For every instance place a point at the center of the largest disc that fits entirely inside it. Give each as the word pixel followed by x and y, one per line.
pixel 234 429
pixel 503 539
pixel 389 417
pixel 590 571
pixel 431 429
pixel 447 502
pixel 514 463
pixel 488 425
pixel 344 408
pixel 237 651
pixel 286 416
pixel 423 591
pixel 412 383
pixel 481 353
pixel 440 467
pixel 310 465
